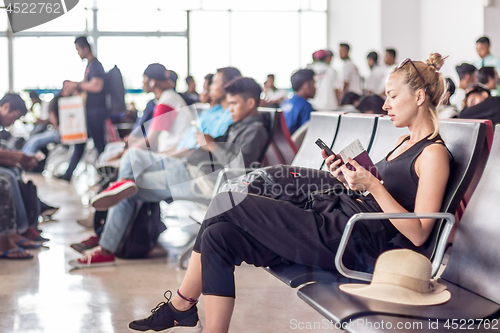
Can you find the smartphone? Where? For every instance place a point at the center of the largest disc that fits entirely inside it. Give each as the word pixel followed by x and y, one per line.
pixel 328 151
pixel 323 145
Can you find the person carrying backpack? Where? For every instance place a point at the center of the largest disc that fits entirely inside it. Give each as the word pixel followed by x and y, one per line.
pixel 97 112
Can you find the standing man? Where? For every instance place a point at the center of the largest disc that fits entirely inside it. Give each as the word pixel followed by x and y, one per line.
pixel 486 58
pixel 97 113
pixel 375 84
pixel 328 84
pixel 389 63
pixel 350 73
pixel 390 59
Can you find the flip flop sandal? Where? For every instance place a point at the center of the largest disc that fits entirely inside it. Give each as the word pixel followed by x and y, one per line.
pixel 22 241
pixel 5 255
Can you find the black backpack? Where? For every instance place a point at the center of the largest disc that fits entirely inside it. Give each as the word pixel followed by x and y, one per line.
pixel 142 233
pixel 115 91
pixel 31 201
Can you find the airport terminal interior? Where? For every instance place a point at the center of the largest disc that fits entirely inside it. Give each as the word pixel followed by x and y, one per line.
pixel 153 153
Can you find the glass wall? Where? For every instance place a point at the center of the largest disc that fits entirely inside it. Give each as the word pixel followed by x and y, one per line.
pixel 190 37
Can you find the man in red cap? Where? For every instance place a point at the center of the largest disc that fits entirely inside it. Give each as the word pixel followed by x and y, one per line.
pixel 327 82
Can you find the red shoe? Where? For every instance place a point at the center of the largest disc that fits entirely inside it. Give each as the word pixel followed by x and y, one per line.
pixel 35 235
pixel 115 193
pixel 94 259
pixel 87 244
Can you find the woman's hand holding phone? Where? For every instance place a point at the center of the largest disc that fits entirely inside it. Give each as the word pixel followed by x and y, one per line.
pixel 333 164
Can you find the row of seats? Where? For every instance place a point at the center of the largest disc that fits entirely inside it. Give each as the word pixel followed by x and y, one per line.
pixel 469 142
pixel 378 134
pixel 471 274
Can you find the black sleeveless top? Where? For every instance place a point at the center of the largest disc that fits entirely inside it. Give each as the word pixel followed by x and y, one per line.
pixel 399 176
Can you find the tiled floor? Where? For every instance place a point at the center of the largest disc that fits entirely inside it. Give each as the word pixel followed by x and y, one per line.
pixel 44 295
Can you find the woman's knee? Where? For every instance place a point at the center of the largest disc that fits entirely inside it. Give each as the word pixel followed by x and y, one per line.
pixel 221 239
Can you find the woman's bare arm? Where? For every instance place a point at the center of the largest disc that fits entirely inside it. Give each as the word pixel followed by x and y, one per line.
pixel 432 167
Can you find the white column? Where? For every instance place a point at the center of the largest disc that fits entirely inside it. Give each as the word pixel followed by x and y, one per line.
pixel 356 22
pixel 401 27
pixel 492 25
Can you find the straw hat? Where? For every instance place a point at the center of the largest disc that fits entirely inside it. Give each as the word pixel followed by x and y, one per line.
pixel 404 277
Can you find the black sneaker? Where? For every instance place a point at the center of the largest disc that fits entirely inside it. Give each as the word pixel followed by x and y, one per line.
pixel 166 319
pixel 46 210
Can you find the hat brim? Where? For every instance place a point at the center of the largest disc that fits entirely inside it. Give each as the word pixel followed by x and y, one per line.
pixel 396 294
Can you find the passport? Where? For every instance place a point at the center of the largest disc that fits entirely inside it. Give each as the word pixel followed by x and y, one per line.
pixel 357 152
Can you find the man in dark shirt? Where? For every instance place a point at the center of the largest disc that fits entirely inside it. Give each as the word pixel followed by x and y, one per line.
pixel 480 105
pixel 156 177
pixel 190 96
pixel 97 113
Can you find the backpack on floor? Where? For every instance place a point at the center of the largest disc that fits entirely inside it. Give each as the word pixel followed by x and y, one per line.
pixel 31 201
pixel 142 233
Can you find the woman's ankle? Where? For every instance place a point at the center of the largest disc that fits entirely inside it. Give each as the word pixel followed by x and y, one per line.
pixel 181 305
pixel 6 243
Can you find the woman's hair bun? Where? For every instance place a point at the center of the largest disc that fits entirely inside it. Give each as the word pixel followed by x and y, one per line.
pixel 435 60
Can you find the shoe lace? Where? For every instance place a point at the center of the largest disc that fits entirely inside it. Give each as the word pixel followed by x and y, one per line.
pixel 161 304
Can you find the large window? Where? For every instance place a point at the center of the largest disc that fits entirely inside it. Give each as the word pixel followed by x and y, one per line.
pixel 4 57
pixel 133 54
pixel 190 37
pixel 45 62
pixel 4 66
pixel 256 42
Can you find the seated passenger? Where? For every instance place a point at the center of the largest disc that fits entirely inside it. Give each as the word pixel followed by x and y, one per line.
pixel 297 109
pixel 467 75
pixel 171 117
pixel 159 177
pixel 349 102
pixel 190 96
pixel 479 104
pixel 171 114
pixel 489 77
pixel 372 104
pixel 273 96
pixel 213 121
pixel 445 109
pixel 12 164
pixel 41 140
pixel 8 236
pixel 263 231
pixel 147 113
pixel 204 96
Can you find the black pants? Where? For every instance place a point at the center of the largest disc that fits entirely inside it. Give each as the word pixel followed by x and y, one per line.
pixel 96 119
pixel 263 232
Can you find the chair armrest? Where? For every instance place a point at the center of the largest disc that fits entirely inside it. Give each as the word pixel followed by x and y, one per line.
pixel 438 257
